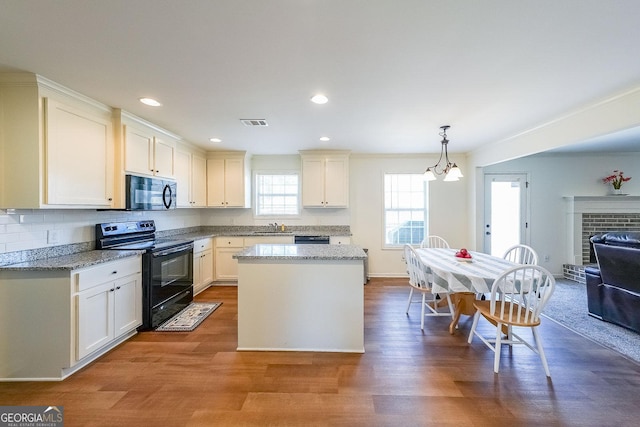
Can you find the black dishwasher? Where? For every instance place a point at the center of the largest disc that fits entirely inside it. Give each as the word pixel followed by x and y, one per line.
pixel 311 240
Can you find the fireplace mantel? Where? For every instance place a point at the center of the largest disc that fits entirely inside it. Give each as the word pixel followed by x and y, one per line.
pixel 575 206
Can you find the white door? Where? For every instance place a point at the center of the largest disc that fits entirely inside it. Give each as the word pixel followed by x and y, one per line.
pixel 505 212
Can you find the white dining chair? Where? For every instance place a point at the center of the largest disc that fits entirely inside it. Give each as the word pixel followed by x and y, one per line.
pixel 434 242
pixel 517 298
pixel 419 283
pixel 521 254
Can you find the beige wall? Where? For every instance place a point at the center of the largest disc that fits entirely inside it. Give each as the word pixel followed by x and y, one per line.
pixel 447 207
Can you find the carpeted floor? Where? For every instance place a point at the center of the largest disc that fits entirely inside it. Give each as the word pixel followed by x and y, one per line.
pixel 568 307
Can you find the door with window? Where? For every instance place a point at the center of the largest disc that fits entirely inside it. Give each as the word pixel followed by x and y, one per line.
pixel 505 212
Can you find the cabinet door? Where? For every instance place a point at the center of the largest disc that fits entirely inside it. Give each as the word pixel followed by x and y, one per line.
pixel 215 183
pixel 336 194
pixel 313 182
pixel 206 267
pixel 128 304
pixel 234 182
pixel 198 181
pixel 164 158
pixel 95 318
pixel 79 156
pixel 138 151
pixel 183 178
pixel 226 266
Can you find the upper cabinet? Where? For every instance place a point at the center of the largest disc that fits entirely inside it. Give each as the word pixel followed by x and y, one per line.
pixel 57 146
pixel 147 149
pixel 325 179
pixel 228 180
pixel 191 176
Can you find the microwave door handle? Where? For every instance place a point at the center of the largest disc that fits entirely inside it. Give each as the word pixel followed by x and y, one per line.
pixel 167 205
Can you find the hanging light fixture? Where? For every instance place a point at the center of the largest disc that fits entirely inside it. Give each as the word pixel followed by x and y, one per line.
pixel 450 170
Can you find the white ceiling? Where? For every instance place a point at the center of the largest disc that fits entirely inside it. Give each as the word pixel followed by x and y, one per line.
pixel 394 71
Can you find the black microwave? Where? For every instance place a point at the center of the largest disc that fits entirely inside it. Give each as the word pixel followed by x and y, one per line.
pixel 149 194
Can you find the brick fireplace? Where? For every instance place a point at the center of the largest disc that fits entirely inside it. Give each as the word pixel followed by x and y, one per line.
pixel 589 215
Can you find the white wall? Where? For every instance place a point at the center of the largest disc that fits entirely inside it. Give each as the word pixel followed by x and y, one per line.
pixel 554 176
pixel 447 207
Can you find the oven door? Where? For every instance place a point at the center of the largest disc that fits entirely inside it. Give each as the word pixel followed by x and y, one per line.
pixel 171 273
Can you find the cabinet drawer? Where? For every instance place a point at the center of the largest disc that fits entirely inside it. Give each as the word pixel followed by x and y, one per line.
pixel 202 245
pixel 229 242
pixel 92 276
pixel 250 241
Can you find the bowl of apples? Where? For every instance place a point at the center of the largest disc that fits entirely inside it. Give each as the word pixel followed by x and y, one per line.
pixel 464 255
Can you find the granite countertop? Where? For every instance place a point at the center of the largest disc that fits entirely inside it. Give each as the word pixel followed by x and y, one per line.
pixel 75 256
pixel 196 235
pixel 300 252
pixel 70 262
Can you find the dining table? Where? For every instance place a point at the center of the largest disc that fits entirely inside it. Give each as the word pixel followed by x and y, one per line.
pixel 463 278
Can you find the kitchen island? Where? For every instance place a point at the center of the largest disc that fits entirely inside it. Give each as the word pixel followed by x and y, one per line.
pixel 301 298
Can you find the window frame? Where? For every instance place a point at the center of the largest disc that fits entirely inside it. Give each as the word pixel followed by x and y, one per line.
pixel 256 194
pixel 419 176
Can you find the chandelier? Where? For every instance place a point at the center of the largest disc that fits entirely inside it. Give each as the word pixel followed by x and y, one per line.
pixel 450 170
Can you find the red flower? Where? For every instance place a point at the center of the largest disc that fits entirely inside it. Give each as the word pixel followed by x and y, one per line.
pixel 616 179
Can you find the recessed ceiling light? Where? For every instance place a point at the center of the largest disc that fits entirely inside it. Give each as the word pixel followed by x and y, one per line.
pixel 319 99
pixel 325 138
pixel 215 140
pixel 150 101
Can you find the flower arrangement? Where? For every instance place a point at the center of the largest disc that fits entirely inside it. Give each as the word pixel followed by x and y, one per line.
pixel 616 179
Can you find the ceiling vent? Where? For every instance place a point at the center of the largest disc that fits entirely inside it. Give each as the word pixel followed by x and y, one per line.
pixel 254 122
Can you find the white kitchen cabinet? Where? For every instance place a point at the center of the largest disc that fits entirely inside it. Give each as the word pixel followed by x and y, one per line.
pixel 148 149
pixel 225 267
pixel 202 264
pixel 228 180
pixel 67 318
pixel 325 179
pixel 58 146
pixel 109 304
pixel 191 176
pixel 339 240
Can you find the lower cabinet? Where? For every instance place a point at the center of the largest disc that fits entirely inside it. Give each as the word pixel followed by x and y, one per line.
pixel 202 264
pixel 67 318
pixel 226 268
pixel 106 312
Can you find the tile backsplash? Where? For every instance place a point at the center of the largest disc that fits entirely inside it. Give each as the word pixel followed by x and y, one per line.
pixel 25 229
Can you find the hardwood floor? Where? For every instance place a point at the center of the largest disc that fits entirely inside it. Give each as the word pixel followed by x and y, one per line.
pixel 405 378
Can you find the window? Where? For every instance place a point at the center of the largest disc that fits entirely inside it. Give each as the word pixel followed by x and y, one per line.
pixel 277 194
pixel 405 209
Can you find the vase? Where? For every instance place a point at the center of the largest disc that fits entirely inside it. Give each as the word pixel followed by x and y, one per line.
pixel 617 191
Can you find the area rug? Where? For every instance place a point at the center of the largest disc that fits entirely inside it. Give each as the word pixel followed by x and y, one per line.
pixel 190 317
pixel 568 307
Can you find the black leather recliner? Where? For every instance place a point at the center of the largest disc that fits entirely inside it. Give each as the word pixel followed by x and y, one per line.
pixel 613 288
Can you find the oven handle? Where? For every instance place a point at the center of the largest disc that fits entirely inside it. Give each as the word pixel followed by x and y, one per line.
pixel 183 248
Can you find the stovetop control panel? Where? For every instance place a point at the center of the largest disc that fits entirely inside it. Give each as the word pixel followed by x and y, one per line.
pixel 111 229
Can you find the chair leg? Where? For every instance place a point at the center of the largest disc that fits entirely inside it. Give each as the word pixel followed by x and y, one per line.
pixel 410 297
pixel 536 338
pixel 476 317
pixel 497 348
pixel 424 302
